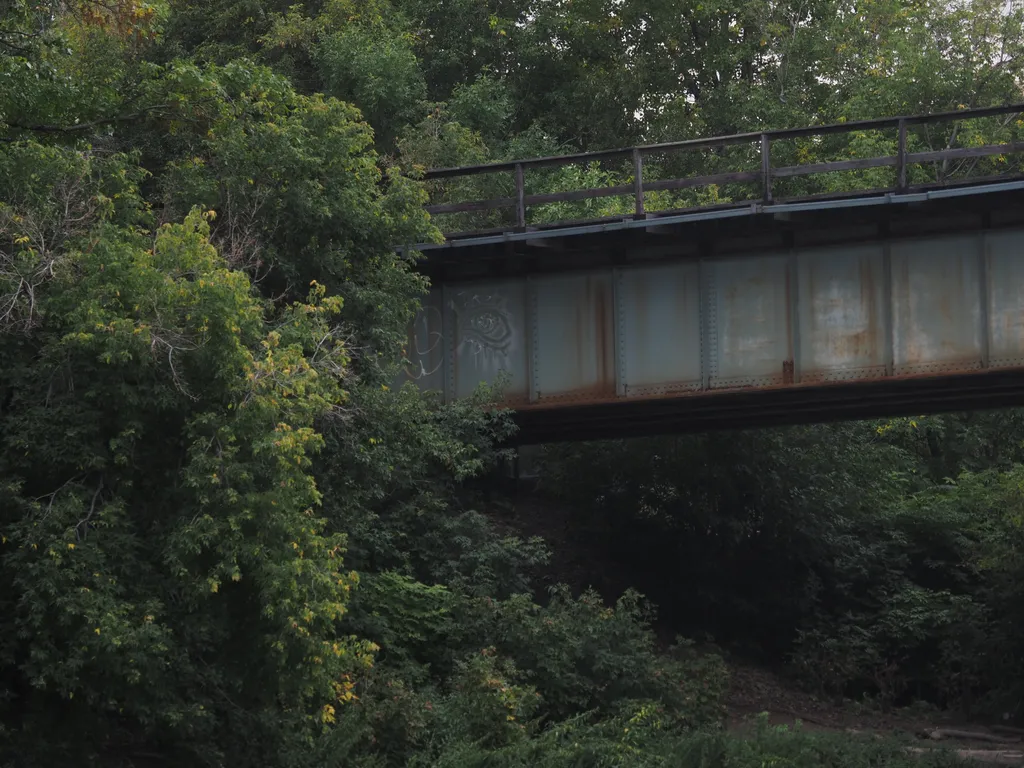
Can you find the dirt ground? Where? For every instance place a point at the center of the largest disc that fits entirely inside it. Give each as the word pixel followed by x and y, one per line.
pixel 753 691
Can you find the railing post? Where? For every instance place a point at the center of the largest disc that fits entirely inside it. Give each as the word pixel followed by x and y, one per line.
pixel 520 198
pixel 638 183
pixel 766 168
pixel 901 157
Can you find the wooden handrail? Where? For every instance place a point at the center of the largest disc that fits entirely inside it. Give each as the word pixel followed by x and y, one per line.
pixel 521 201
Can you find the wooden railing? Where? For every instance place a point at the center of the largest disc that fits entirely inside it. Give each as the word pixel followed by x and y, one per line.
pixel 520 202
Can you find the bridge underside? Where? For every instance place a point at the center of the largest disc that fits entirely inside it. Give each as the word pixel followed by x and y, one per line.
pixel 744 409
pixel 745 316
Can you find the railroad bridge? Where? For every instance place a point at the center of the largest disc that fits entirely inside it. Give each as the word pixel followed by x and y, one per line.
pixel 896 286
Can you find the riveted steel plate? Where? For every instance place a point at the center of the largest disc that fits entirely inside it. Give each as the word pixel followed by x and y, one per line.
pixel 659 329
pixel 748 311
pixel 574 347
pixel 841 313
pixel 936 305
pixel 1004 256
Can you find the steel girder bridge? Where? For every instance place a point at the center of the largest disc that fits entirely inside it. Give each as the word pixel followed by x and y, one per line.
pixel 902 294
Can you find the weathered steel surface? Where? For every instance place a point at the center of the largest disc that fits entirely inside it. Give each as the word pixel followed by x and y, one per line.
pixel 658 329
pixel 884 310
pixel 488 324
pixel 1004 284
pixel 574 353
pixel 841 313
pixel 748 321
pixel 936 305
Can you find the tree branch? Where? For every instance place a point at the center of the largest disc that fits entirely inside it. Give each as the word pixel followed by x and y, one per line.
pixel 82 528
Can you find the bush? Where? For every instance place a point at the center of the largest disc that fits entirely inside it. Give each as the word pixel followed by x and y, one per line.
pixel 584 656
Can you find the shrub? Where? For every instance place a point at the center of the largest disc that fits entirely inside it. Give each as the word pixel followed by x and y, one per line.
pixel 584 656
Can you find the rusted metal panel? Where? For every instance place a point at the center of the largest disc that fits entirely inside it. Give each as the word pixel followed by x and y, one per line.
pixel 425 349
pixel 936 305
pixel 841 313
pixel 1004 293
pixel 658 312
pixel 748 308
pixel 574 349
pixel 488 327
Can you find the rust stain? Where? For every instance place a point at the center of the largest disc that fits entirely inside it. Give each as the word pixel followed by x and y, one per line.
pixel 946 307
pixel 869 347
pixel 579 334
pixel 913 351
pixel 788 299
pixel 844 316
pixel 587 398
pixel 605 361
pixel 905 270
pixel 590 342
pixel 933 331
pixel 855 346
pixel 1012 324
pixel 787 371
pixel 682 305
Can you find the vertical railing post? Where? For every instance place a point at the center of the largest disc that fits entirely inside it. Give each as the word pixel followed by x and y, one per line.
pixel 901 157
pixel 638 183
pixel 766 169
pixel 520 198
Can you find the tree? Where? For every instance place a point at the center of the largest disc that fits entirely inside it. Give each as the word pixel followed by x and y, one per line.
pixel 159 518
pixel 203 319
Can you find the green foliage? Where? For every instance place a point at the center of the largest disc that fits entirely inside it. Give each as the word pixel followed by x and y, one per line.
pixel 168 536
pixel 629 742
pixel 484 106
pixel 793 506
pixel 228 537
pixel 486 706
pixel 375 69
pixel 296 186
pixel 594 75
pixel 404 617
pixel 782 746
pixel 585 657
pixel 172 577
pixel 357 52
pixel 876 573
